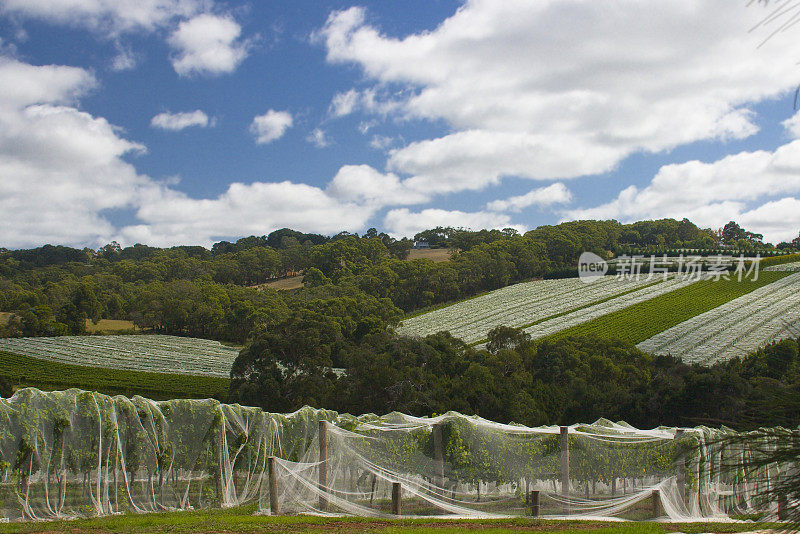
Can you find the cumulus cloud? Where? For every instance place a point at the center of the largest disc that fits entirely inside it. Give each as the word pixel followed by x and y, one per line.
pixel 109 16
pixel 543 196
pixel 179 121
pixel 778 220
pixel 63 172
pixel 60 168
pixel 207 44
pixel 403 223
pixel 171 217
pixel 473 159
pixel 737 187
pixel 792 125
pixel 365 185
pixel 554 90
pixel 270 126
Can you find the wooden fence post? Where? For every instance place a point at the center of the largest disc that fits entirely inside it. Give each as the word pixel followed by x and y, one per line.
pixel 323 464
pixel 681 466
pixel 438 456
pixel 657 504
pixel 273 486
pixel 565 464
pixel 397 498
pixel 535 509
pixel 783 502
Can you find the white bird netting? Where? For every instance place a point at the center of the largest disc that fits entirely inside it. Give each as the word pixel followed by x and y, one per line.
pixel 76 453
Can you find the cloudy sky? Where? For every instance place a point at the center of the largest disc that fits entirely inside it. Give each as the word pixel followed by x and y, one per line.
pixel 190 121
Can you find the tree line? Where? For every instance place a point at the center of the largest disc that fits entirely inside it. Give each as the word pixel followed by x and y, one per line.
pixel 194 291
pixel 512 379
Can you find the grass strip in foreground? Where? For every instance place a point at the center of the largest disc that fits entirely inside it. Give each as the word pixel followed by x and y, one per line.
pixel 644 320
pixel 48 376
pixel 242 520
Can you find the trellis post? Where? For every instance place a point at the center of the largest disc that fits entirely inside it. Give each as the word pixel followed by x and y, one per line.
pixel 783 503
pixel 681 466
pixel 273 486
pixel 323 464
pixel 657 504
pixel 535 509
pixel 397 498
pixel 565 464
pixel 438 456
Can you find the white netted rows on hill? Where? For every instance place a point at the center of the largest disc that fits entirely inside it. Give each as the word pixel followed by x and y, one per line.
pixel 75 453
pixel 736 328
pixel 154 353
pixel 552 304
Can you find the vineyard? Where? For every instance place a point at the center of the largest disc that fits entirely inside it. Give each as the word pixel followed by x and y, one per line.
pixel 790 267
pixel 48 376
pixel 632 310
pixel 736 328
pixel 543 302
pixel 77 454
pixel 644 320
pixel 148 353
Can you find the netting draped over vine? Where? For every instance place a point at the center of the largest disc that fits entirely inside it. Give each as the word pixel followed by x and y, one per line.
pixel 76 453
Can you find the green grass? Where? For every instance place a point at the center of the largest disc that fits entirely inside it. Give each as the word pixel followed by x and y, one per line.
pixel 242 520
pixel 646 319
pixel 24 371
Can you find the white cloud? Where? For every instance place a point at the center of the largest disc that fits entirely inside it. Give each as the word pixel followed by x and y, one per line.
pixel 558 89
pixel 365 126
pixel 792 125
pixel 207 44
pixel 124 60
pixel 170 217
pixel 63 170
pixel 270 126
pixel 179 121
pixel 403 223
pixel 365 185
pixel 381 142
pixel 344 103
pixel 318 138
pixel 544 196
pixel 60 168
pixel 109 16
pixel 711 194
pixel 780 219
pixel 22 84
pixel 474 159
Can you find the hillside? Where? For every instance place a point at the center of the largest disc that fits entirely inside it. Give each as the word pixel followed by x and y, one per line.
pixel 23 371
pixel 149 353
pixel 634 311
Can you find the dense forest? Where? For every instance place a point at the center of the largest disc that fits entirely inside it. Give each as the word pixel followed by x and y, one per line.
pixel 516 380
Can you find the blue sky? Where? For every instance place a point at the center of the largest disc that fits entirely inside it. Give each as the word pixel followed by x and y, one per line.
pixel 190 121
